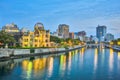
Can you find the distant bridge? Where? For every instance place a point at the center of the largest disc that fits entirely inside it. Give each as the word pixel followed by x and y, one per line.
pixel 92 45
pixel 95 45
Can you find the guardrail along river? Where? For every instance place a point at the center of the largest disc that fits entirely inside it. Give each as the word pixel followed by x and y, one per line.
pixel 83 64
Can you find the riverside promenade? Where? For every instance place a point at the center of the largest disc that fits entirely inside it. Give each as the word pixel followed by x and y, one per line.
pixel 6 54
pixel 115 47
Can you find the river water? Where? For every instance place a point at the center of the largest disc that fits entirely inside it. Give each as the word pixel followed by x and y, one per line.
pixel 83 64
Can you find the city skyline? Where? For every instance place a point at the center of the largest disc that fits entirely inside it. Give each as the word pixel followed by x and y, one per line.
pixel 79 15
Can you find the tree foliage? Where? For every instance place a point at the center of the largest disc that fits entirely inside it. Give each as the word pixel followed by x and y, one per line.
pixel 77 41
pixel 118 39
pixel 68 40
pixel 115 42
pixel 55 39
pixel 6 38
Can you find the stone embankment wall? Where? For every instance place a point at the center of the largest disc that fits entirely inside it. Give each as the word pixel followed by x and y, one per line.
pixel 17 52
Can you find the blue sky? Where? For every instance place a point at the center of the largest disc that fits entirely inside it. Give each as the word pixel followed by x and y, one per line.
pixel 79 14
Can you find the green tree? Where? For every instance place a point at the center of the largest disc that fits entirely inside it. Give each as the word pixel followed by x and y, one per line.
pixel 114 42
pixel 118 39
pixel 55 39
pixel 76 41
pixel 69 39
pixel 6 38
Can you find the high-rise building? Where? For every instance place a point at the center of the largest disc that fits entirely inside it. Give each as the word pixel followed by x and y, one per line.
pixel 76 35
pixel 82 35
pixel 109 37
pixel 63 30
pixel 101 32
pixel 38 38
pixel 71 35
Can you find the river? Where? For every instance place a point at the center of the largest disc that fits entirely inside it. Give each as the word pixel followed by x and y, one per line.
pixel 83 64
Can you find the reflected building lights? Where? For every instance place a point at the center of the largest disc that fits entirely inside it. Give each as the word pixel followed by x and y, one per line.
pixel 27 68
pixel 103 50
pixel 119 60
pixel 50 65
pixel 76 58
pixel 36 65
pixel 65 66
pixel 69 63
pixel 81 56
pixel 73 53
pixel 12 66
pixel 103 55
pixel 82 50
pixel 62 64
pixel 39 65
pixel 76 51
pixel 95 59
pixel 119 56
pixel 29 71
pixel 111 59
pixel 25 64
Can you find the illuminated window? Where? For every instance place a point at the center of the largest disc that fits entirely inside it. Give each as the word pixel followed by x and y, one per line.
pixel 47 45
pixel 36 45
pixel 36 40
pixel 25 45
pixel 26 40
pixel 46 35
pixel 46 40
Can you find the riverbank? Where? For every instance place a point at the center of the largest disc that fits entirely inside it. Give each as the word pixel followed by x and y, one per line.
pixel 7 54
pixel 115 47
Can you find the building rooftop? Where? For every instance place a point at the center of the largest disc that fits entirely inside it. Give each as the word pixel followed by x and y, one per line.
pixel 10 27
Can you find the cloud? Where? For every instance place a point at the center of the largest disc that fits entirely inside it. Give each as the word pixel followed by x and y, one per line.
pixel 79 14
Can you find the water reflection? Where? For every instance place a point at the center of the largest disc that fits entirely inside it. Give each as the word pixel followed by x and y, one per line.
pixel 82 51
pixel 62 64
pixel 118 60
pixel 119 56
pixel 25 64
pixel 103 56
pixel 6 67
pixel 97 64
pixel 27 68
pixel 29 71
pixel 38 66
pixel 111 59
pixel 50 61
pixel 95 59
pixel 70 61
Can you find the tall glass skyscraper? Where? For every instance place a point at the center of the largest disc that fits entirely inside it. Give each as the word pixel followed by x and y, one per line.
pixel 101 32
